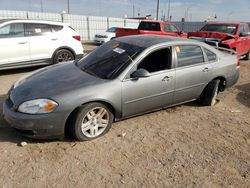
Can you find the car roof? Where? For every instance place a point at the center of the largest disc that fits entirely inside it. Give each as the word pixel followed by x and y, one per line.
pixel 30 21
pixel 225 23
pixel 148 40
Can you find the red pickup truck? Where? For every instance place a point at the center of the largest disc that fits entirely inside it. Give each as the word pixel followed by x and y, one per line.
pixel 152 27
pixel 233 36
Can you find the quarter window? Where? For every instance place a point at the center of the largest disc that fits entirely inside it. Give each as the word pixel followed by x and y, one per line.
pixel 189 55
pixel 12 30
pixel 37 29
pixel 210 55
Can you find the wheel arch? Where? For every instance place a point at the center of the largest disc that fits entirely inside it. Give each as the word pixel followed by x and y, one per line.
pixel 73 112
pixel 63 48
pixel 223 82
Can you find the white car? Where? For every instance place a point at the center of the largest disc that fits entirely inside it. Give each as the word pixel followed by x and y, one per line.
pixel 26 43
pixel 106 36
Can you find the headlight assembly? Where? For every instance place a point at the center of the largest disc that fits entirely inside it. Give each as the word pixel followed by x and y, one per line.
pixel 38 106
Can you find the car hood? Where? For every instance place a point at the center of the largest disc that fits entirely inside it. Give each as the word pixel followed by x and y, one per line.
pixel 208 34
pixel 51 82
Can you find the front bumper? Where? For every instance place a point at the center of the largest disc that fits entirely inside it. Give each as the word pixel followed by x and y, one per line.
pixel 43 126
pixel 101 40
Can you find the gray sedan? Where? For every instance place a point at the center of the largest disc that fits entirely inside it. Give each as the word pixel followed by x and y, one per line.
pixel 122 78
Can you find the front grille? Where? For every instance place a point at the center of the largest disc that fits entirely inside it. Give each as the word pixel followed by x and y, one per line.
pixel 100 36
pixel 224 45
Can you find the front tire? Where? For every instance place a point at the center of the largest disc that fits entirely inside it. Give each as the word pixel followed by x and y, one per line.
pixel 209 94
pixel 91 121
pixel 63 55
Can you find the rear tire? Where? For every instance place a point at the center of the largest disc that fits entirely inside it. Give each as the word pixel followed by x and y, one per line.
pixel 209 94
pixel 63 56
pixel 91 121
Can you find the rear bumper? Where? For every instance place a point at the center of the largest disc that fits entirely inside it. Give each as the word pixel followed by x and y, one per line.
pixel 233 79
pixel 44 126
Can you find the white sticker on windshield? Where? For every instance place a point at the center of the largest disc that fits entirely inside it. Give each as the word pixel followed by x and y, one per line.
pixel 231 27
pixel 119 50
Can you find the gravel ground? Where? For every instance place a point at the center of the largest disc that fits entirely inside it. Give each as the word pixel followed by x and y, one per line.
pixel 183 146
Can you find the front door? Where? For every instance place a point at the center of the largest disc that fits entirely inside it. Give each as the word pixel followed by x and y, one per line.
pixel 14 46
pixel 153 92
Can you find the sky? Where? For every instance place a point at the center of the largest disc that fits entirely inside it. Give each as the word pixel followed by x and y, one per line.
pixel 191 10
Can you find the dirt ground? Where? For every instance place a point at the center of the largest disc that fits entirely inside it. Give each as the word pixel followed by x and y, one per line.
pixel 183 146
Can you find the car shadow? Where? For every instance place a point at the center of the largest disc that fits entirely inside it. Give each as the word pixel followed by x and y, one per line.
pixel 19 70
pixel 8 134
pixel 244 95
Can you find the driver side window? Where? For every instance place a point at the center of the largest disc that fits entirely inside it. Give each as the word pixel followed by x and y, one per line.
pixel 157 61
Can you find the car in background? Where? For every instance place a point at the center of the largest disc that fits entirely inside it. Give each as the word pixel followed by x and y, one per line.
pixel 106 36
pixel 122 78
pixel 152 28
pixel 234 36
pixel 25 43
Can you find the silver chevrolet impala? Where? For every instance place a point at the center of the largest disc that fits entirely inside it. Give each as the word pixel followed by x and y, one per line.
pixel 122 78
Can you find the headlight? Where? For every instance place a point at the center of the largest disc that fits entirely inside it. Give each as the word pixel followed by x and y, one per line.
pixel 37 106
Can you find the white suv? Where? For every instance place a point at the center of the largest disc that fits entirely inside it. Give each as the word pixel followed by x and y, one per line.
pixel 106 36
pixel 26 43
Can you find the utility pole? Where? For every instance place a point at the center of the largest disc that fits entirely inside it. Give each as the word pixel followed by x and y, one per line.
pixel 169 10
pixel 157 10
pixel 68 7
pixel 133 10
pixel 41 1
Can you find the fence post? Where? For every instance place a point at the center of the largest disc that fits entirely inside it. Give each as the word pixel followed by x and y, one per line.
pixel 88 29
pixel 125 22
pixel 107 22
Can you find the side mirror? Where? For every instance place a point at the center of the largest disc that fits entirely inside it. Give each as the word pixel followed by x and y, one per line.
pixel 244 34
pixel 180 32
pixel 140 73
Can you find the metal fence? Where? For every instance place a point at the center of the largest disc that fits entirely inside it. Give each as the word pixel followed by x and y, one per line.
pixel 88 26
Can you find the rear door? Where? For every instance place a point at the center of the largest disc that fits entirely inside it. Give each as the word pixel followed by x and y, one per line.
pixel 193 72
pixel 14 46
pixel 43 41
pixel 153 92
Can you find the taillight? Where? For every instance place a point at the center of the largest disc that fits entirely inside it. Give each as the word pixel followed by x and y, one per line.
pixel 238 63
pixel 78 37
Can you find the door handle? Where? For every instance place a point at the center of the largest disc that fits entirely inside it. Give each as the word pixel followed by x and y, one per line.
pixel 167 78
pixel 24 42
pixel 54 39
pixel 205 70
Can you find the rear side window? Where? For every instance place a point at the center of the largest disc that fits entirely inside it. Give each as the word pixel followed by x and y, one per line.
pixel 189 55
pixel 149 26
pixel 170 28
pixel 12 30
pixel 37 29
pixel 210 55
pixel 57 27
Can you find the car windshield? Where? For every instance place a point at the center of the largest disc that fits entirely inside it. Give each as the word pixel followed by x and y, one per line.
pixel 230 29
pixel 110 59
pixel 111 30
